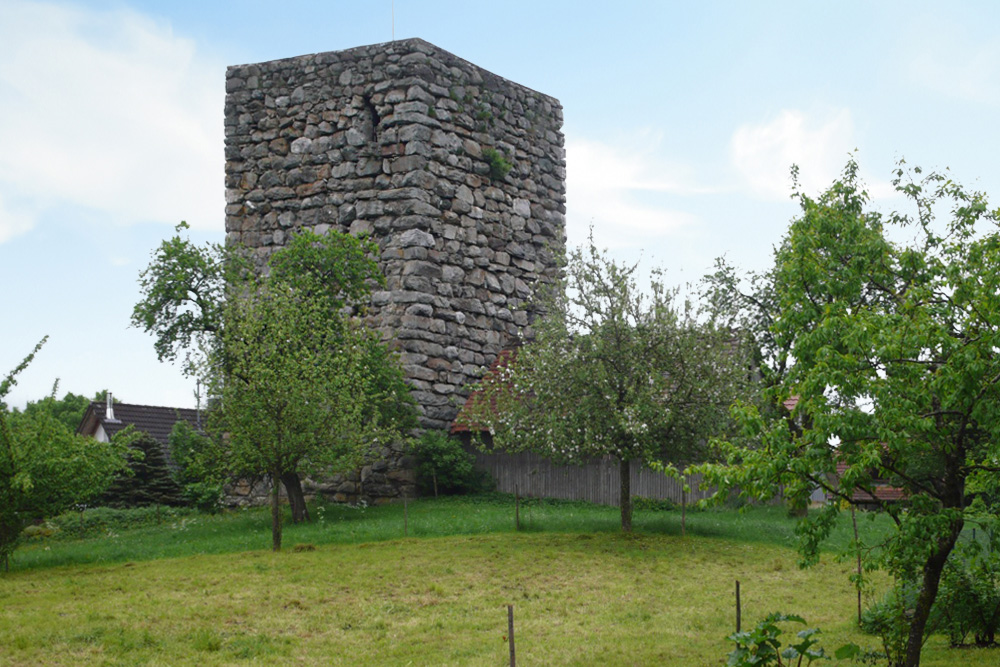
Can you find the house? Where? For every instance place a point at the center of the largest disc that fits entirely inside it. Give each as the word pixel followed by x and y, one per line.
pixel 880 494
pixel 104 419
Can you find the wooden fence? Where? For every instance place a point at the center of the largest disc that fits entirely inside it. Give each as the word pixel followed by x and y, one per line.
pixel 596 482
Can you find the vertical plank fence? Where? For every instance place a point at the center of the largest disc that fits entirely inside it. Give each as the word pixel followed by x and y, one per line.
pixel 532 476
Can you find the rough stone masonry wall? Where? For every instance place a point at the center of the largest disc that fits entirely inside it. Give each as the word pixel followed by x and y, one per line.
pixel 389 139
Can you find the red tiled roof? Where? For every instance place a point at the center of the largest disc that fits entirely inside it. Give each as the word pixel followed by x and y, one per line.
pixel 503 360
pixel 883 492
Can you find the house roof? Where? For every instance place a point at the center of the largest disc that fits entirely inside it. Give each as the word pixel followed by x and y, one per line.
pixel 154 420
pixel 461 423
pixel 882 492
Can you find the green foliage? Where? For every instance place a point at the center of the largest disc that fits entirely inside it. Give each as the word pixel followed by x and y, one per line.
pixel 45 467
pixel 653 504
pixel 147 481
pixel 499 165
pixel 197 471
pixel 445 467
pixel 613 370
pixel 183 297
pixel 302 383
pixel 69 409
pixel 969 600
pixel 892 351
pixel 101 521
pixel 888 619
pixel 303 386
pixel 761 646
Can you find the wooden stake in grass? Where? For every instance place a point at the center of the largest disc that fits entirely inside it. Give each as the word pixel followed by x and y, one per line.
pixel 738 610
pixel 405 517
pixel 510 633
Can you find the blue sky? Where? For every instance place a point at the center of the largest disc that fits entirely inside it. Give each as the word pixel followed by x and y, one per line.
pixel 681 120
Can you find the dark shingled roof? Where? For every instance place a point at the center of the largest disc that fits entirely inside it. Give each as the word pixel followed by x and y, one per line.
pixel 154 420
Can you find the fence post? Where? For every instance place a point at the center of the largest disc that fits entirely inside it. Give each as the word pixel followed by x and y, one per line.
pixel 510 633
pixel 738 610
pixel 406 517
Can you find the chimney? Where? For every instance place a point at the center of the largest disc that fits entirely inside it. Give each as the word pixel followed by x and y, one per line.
pixel 109 412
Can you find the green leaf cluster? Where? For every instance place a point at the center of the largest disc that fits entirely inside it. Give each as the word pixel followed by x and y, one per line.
pixel 45 467
pixel 890 363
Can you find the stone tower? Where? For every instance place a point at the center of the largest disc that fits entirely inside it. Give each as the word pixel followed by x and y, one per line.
pixel 457 174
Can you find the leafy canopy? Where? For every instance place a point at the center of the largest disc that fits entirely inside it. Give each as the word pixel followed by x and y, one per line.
pixel 894 358
pixel 45 467
pixel 611 370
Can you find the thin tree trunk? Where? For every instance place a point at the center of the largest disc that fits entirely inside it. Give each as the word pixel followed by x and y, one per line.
pixel 626 494
pixel 297 499
pixel 928 593
pixel 275 512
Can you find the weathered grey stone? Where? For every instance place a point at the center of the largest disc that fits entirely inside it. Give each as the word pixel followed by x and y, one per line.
pixel 370 140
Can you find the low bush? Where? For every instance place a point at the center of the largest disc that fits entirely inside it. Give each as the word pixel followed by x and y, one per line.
pixel 969 598
pixel 99 521
pixel 445 467
pixel 889 620
pixel 761 646
pixel 654 504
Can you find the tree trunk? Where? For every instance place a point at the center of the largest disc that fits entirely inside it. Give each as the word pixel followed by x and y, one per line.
pixel 928 593
pixel 275 512
pixel 293 487
pixel 626 494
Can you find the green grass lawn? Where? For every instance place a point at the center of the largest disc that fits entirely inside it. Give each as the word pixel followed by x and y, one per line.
pixel 204 590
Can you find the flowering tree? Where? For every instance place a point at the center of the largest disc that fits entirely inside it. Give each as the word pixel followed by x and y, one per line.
pixel 612 370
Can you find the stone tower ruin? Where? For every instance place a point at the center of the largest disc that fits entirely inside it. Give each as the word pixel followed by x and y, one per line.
pixel 456 173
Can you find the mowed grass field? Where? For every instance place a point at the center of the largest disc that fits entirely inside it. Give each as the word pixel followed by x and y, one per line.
pixel 357 593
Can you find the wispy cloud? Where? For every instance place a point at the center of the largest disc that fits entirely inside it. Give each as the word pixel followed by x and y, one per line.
pixel 109 111
pixel 624 188
pixel 764 153
pixel 14 220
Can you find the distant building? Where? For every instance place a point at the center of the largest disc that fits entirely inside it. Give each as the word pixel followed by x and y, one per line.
pixel 103 419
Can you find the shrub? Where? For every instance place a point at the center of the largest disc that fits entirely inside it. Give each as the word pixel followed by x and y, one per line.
pixel 969 598
pixel 101 520
pixel 889 620
pixel 499 165
pixel 445 467
pixel 149 481
pixel 654 504
pixel 761 647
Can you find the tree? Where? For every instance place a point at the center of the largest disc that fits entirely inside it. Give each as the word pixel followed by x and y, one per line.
pixel 69 409
pixel 186 292
pixel 45 468
pixel 198 470
pixel 895 364
pixel 611 371
pixel 302 386
pixel 147 481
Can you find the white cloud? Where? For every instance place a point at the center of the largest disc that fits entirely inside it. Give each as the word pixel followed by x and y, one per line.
pixel 110 111
pixel 764 153
pixel 615 188
pixel 13 220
